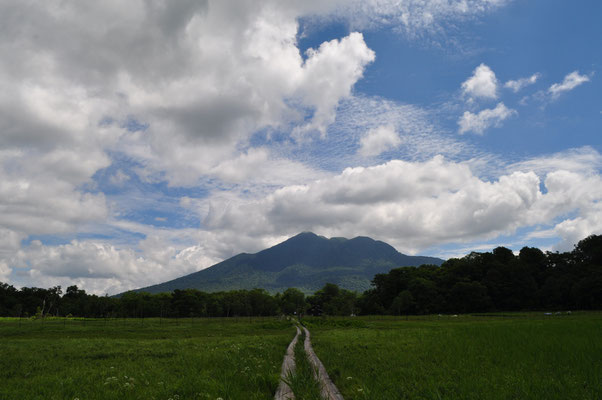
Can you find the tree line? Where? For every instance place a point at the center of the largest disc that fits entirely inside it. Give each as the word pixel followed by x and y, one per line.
pixel 493 281
pixel 479 282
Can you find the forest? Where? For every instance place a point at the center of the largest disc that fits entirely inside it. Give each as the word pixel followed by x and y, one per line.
pixel 479 282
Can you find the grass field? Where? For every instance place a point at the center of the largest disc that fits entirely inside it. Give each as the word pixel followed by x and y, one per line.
pixel 518 356
pixel 142 359
pixel 528 356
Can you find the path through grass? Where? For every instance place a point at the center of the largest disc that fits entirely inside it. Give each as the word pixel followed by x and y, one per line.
pixel 302 382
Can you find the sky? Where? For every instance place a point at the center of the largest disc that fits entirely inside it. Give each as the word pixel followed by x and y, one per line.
pixel 144 140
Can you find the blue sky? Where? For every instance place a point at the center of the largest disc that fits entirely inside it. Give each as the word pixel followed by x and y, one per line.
pixel 145 141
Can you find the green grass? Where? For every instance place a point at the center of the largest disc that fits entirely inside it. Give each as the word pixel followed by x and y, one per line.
pixel 520 356
pixel 302 381
pixel 142 359
pixel 514 356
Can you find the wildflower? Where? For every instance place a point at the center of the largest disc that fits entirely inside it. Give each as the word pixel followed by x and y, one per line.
pixel 349 378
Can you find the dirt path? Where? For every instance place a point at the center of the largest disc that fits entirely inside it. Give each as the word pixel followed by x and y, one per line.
pixel 328 389
pixel 284 392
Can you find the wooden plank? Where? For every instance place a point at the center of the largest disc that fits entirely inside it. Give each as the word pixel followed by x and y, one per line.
pixel 328 389
pixel 284 392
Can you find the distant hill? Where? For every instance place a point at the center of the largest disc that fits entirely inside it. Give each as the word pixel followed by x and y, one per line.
pixel 306 261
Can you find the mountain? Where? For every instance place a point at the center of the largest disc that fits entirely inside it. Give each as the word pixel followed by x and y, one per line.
pixel 306 261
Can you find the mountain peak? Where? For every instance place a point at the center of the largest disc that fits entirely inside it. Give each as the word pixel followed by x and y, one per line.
pixel 306 261
pixel 304 236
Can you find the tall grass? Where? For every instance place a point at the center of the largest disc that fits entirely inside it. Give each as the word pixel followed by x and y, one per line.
pixel 516 357
pixel 134 359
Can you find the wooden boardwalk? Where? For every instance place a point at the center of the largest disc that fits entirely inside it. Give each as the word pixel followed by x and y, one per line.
pixel 327 387
pixel 284 392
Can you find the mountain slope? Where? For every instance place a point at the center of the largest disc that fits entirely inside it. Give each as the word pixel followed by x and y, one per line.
pixel 306 261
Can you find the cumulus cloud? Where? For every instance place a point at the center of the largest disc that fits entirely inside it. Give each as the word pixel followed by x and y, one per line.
pixel 518 84
pixel 4 271
pixel 570 82
pixel 573 230
pixel 482 84
pixel 101 267
pixel 484 119
pixel 328 75
pixel 178 89
pixel 412 205
pixel 198 78
pixel 377 140
pixel 43 197
pixel 104 267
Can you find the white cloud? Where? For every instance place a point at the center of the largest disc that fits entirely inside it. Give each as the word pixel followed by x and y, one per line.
pixel 516 85
pixel 42 196
pixel 482 84
pixel 415 205
pixel 328 75
pixel 5 271
pixel 481 121
pixel 570 82
pixel 178 89
pixel 421 139
pixel 576 229
pixel 259 167
pixel 105 268
pixel 412 17
pixel 411 205
pixel 378 140
pixel 199 77
pixel 583 160
pixel 574 189
pixel 10 241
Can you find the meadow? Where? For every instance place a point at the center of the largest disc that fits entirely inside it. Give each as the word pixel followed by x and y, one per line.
pixel 511 356
pixel 516 356
pixel 142 359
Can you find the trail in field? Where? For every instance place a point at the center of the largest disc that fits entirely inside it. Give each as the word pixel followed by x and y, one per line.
pixel 328 389
pixel 284 392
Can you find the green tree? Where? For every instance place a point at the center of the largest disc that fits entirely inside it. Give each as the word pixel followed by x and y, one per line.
pixel 403 304
pixel 293 301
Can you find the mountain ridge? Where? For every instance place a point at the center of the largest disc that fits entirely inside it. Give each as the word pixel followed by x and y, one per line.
pixel 306 261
